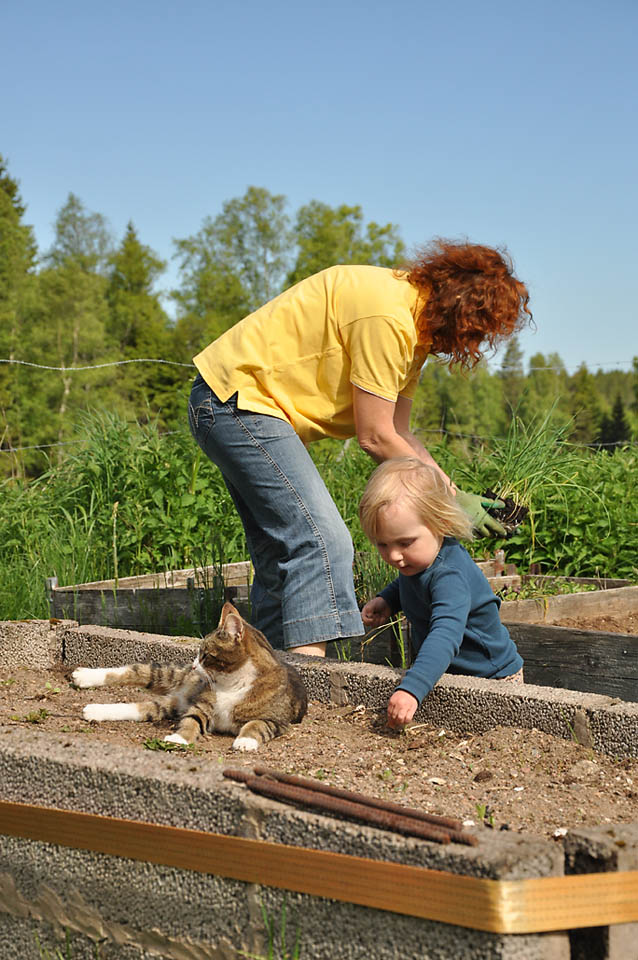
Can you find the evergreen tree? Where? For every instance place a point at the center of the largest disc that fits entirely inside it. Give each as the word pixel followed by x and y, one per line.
pixel 137 327
pixel 327 235
pixel 545 389
pixel 604 431
pixel 512 376
pixel 620 432
pixel 426 406
pixel 490 419
pixel 17 262
pixel 584 406
pixel 70 324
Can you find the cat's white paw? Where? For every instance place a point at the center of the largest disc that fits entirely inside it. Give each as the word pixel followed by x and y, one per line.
pixel 88 677
pixel 111 711
pixel 175 738
pixel 245 743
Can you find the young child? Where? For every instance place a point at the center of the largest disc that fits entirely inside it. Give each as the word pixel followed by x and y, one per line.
pixel 410 514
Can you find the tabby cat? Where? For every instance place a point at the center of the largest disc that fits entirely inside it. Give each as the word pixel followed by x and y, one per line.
pixel 235 685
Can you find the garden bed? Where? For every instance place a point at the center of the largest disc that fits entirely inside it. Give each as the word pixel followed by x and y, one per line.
pixel 465 762
pixel 523 780
pixel 545 781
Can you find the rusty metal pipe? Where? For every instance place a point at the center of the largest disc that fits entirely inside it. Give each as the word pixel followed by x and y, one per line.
pixel 346 808
pixel 389 805
pixel 278 789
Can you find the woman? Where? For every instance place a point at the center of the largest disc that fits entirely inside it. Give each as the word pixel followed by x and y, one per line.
pixel 337 355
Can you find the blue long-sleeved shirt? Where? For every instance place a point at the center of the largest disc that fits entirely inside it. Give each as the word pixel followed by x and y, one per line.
pixel 455 623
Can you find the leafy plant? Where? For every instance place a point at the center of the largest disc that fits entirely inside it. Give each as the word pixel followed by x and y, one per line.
pixel 167 746
pixel 169 497
pixel 36 716
pixel 533 588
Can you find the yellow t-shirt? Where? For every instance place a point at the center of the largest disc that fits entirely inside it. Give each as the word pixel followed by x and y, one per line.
pixel 297 357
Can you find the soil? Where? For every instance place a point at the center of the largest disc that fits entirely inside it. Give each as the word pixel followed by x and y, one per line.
pixel 627 623
pixel 511 514
pixel 520 780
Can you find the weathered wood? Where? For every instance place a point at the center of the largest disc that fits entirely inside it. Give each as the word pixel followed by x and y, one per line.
pixel 233 574
pixel 379 646
pixel 173 611
pixel 552 608
pixel 586 660
pixel 175 602
pixel 504 582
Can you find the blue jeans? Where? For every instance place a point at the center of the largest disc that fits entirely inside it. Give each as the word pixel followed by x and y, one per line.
pixel 302 552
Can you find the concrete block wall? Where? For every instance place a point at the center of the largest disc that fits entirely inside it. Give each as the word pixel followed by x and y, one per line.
pixel 180 914
pixel 139 910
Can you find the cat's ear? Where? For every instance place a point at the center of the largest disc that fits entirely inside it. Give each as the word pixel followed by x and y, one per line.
pixel 231 621
pixel 227 609
pixel 234 626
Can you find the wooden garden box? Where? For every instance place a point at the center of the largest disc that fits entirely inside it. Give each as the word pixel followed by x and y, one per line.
pixel 592 661
pixel 178 602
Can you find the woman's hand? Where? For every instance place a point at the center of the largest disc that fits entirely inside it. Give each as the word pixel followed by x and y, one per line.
pixel 375 612
pixel 476 508
pixel 401 708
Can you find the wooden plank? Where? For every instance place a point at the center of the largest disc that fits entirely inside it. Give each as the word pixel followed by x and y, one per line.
pixel 233 574
pixel 552 608
pixel 408 890
pixel 170 611
pixel 586 660
pixel 535 905
pixel 504 582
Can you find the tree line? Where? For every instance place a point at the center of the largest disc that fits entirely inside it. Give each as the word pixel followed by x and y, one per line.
pixel 93 301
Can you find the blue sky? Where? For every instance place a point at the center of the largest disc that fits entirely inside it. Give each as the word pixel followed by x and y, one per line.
pixel 512 124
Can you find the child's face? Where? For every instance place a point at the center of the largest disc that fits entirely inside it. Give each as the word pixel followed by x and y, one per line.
pixel 404 541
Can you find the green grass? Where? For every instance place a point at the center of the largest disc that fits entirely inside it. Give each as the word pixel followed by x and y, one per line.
pixel 57 954
pixel 129 501
pixel 277 940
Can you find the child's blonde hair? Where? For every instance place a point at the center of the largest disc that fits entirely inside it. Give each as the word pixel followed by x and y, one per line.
pixel 407 478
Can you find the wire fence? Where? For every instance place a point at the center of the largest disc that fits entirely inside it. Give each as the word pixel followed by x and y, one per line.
pixel 452 434
pixel 518 369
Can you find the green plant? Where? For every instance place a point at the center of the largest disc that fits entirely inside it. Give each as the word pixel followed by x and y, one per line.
pixel 531 458
pixel 570 727
pixel 485 814
pixel 36 716
pixel 46 954
pixel 170 496
pixel 533 589
pixel 154 743
pixel 278 948
pixel 371 574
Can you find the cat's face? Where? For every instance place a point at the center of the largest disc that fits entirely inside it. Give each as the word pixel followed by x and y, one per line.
pixel 223 649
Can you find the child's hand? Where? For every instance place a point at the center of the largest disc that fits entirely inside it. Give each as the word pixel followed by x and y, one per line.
pixel 375 612
pixel 401 708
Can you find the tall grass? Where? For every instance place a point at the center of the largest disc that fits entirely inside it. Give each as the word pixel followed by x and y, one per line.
pixel 531 465
pixel 130 501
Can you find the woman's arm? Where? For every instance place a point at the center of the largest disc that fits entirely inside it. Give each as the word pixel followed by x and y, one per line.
pixel 383 429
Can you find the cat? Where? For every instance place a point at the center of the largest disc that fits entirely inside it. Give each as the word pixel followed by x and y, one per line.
pixel 236 685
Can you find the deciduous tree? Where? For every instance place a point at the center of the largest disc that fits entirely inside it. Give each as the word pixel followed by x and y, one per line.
pixel 327 235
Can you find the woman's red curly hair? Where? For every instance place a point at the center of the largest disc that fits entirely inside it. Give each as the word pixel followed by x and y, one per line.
pixel 473 299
